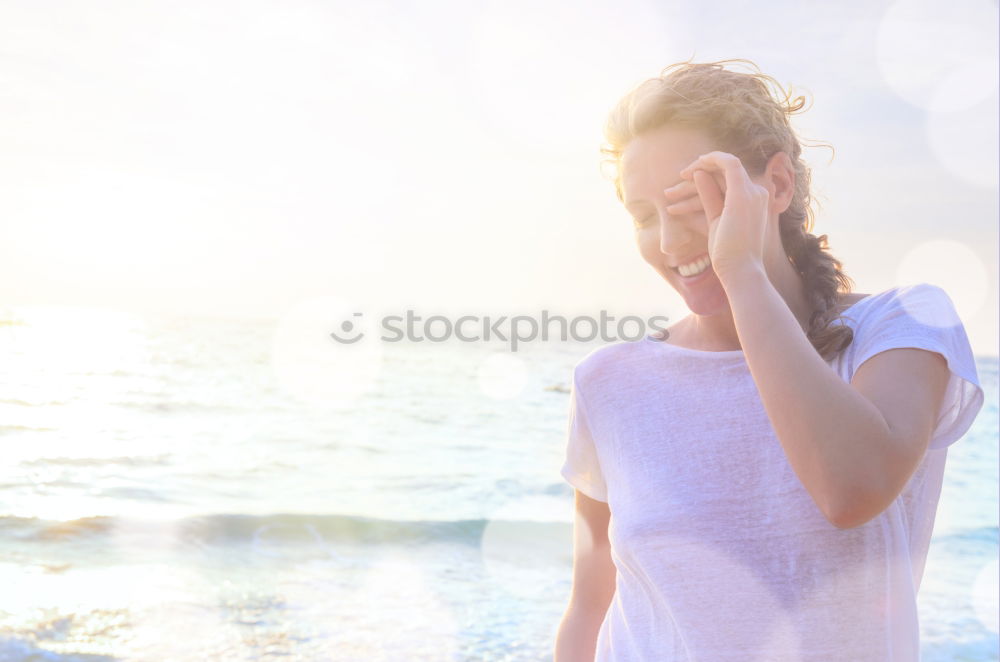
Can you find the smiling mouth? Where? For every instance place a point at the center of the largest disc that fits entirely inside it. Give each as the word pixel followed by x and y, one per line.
pixel 708 266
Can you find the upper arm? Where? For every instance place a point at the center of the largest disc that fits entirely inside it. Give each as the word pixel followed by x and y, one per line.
pixel 593 568
pixel 907 385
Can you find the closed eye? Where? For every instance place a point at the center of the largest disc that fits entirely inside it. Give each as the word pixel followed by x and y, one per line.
pixel 643 222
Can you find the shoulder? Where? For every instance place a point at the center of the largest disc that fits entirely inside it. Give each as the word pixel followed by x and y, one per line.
pixel 915 316
pixel 920 301
pixel 922 304
pixel 923 290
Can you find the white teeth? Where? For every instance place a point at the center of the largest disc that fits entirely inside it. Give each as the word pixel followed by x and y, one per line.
pixel 695 268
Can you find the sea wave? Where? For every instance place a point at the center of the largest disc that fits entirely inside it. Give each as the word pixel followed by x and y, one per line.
pixel 128 460
pixel 21 402
pixel 233 529
pixel 11 429
pixel 20 650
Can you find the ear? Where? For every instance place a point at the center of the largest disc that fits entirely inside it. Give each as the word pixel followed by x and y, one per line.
pixel 779 180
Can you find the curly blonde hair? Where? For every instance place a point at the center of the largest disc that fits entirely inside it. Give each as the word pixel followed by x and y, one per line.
pixel 743 116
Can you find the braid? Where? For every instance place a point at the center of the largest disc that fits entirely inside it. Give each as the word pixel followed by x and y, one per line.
pixel 822 274
pixel 822 277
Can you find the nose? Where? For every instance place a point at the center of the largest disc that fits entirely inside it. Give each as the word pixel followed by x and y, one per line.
pixel 673 234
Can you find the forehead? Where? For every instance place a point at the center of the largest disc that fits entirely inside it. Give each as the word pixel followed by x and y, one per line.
pixel 651 160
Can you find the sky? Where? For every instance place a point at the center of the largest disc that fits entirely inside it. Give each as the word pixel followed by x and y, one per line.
pixel 235 159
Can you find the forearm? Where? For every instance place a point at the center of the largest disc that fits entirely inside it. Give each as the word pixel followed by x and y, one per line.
pixel 836 440
pixel 576 640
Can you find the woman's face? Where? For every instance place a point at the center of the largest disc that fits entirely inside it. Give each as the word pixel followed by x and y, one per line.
pixel 650 163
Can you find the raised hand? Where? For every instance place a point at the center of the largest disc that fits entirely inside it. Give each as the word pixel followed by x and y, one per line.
pixel 735 206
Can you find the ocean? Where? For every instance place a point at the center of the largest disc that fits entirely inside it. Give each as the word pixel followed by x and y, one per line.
pixel 207 489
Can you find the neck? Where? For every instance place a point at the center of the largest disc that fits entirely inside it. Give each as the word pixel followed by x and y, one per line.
pixel 792 289
pixel 718 332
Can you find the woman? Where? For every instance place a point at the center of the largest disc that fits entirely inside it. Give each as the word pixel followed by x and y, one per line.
pixel 760 483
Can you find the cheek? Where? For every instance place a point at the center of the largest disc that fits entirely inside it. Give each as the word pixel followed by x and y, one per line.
pixel 649 249
pixel 648 242
pixel 699 225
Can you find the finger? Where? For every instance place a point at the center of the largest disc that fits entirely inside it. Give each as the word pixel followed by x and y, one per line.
pixel 710 161
pixel 720 177
pixel 680 191
pixel 687 206
pixel 711 195
pixel 734 174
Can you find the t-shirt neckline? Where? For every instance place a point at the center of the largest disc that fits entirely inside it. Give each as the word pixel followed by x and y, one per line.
pixel 729 353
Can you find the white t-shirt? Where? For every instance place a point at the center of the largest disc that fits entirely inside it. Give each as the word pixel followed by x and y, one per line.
pixel 721 553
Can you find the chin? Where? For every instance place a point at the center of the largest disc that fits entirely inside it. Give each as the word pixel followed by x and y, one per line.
pixel 711 300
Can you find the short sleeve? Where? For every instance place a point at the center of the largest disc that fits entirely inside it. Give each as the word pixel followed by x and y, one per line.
pixel 922 316
pixel 582 467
